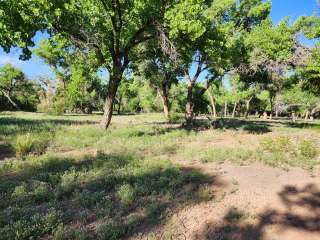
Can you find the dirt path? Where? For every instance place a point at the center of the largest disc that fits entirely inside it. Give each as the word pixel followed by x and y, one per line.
pixel 255 202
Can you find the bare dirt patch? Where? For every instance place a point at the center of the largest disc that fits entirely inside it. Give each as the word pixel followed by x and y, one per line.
pixel 255 202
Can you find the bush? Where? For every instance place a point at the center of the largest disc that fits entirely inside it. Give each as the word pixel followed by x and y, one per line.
pixel 277 144
pixel 175 117
pixel 30 143
pixel 68 233
pixel 126 194
pixel 54 106
pixel 204 193
pixel 111 231
pixel 86 198
pixel 308 149
pixel 32 227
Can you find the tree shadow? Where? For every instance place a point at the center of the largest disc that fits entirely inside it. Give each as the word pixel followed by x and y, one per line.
pixel 14 126
pixel 249 126
pixel 6 151
pixel 302 212
pixel 101 197
pixel 304 125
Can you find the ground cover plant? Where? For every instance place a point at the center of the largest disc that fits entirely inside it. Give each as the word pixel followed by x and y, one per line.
pixel 88 184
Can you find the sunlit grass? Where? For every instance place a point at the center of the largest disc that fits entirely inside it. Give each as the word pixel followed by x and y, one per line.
pixel 68 179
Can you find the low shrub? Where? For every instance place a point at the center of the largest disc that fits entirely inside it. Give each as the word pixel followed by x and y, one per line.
pixel 175 117
pixel 204 193
pixel 277 144
pixel 126 193
pixel 31 143
pixel 308 149
pixel 67 233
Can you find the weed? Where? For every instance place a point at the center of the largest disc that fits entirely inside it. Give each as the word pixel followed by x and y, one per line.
pixel 308 149
pixel 30 143
pixel 67 233
pixel 204 193
pixel 126 193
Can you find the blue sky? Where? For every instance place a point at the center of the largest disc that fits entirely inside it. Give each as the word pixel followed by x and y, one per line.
pixel 280 8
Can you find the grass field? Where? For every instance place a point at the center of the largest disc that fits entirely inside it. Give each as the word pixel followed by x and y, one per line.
pixel 64 178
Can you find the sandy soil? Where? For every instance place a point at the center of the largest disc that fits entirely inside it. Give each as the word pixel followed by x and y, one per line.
pixel 249 203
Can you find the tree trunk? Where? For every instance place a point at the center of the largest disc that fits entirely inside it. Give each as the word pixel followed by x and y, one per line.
pixel 7 95
pixel 166 107
pixel 270 115
pixel 108 107
pixel 247 107
pixel 293 115
pixel 271 106
pixel 313 111
pixel 307 115
pixel 265 115
pixel 190 105
pixel 119 106
pixel 225 108
pixel 213 105
pixel 234 109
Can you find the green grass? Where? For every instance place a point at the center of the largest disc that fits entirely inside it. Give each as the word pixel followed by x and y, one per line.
pixel 62 191
pixel 67 179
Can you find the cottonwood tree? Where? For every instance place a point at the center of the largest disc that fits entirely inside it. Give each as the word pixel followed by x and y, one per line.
pixel 215 46
pixel 111 29
pixel 309 74
pixel 205 50
pixel 56 53
pixel 75 71
pixel 298 100
pixel 17 89
pixel 160 72
pixel 271 55
pixel 11 80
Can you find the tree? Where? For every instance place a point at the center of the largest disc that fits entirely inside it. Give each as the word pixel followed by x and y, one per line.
pixel 212 92
pixel 309 74
pixel 56 53
pixel 75 71
pixel 160 72
pixel 270 56
pixel 296 100
pixel 17 89
pixel 214 48
pixel 205 50
pixel 111 29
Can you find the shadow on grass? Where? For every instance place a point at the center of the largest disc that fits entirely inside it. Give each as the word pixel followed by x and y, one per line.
pixel 6 151
pixel 302 213
pixel 14 126
pixel 102 197
pixel 255 127
pixel 304 125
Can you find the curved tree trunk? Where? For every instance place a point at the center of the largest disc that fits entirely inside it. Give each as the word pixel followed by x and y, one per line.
pixel 271 106
pixel 225 108
pixel 247 107
pixel 307 115
pixel 234 109
pixel 108 107
pixel 313 111
pixel 213 105
pixel 189 105
pixel 7 95
pixel 166 107
pixel 164 94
